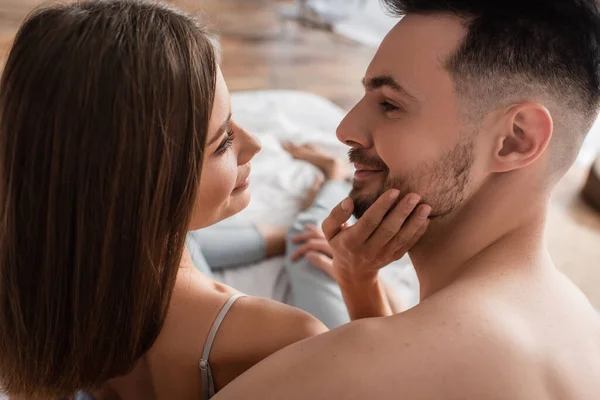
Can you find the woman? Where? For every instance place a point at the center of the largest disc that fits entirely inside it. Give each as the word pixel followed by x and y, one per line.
pixel 116 138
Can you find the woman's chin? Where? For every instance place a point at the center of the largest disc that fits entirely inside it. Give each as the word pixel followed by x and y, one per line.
pixel 236 203
pixel 241 200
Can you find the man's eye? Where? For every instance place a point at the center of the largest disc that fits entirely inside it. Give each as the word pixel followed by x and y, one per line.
pixel 388 107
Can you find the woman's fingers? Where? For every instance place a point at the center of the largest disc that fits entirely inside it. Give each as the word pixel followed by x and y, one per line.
pixel 287 145
pixel 311 232
pixel 371 219
pixel 401 251
pixel 315 229
pixel 384 233
pixel 333 224
pixel 319 245
pixel 366 225
pixel 408 232
pixel 393 225
pixel 303 237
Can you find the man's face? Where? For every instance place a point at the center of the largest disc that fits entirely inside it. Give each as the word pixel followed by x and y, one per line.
pixel 407 132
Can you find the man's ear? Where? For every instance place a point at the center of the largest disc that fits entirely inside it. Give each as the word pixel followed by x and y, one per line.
pixel 523 134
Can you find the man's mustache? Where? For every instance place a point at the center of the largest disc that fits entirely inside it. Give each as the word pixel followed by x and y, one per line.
pixel 360 156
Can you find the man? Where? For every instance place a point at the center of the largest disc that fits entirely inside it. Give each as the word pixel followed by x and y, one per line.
pixel 480 107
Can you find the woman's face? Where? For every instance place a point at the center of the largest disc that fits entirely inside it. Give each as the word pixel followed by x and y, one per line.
pixel 224 185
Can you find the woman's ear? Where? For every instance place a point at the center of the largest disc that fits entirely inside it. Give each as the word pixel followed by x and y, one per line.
pixel 523 135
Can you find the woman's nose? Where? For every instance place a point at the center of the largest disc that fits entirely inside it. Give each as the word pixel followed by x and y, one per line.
pixel 250 147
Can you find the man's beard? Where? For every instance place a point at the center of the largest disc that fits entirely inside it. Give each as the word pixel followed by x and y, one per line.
pixel 442 183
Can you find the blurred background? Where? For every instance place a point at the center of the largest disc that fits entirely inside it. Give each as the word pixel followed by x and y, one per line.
pixel 323 47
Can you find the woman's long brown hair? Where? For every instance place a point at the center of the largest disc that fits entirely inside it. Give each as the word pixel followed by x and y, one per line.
pixel 104 111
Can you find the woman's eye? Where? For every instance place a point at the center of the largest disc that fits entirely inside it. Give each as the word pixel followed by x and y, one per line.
pixel 227 143
pixel 388 107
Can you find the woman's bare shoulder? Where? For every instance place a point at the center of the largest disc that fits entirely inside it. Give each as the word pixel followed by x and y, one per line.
pixel 254 329
pixel 278 322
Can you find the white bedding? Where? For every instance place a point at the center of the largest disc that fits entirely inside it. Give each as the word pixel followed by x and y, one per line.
pixel 278 182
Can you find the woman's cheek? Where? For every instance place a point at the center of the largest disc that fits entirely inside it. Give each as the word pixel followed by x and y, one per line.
pixel 216 185
pixel 221 182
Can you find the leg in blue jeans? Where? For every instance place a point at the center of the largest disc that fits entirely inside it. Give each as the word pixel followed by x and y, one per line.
pixel 312 290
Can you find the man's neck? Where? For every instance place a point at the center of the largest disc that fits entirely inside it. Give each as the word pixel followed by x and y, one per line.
pixel 492 225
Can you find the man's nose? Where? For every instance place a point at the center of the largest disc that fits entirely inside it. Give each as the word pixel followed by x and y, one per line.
pixel 353 130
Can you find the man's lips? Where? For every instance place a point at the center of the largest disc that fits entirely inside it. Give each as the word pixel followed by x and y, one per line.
pixel 364 172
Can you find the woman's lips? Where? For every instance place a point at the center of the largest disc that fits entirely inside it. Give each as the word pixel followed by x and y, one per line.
pixel 363 172
pixel 244 182
pixel 244 185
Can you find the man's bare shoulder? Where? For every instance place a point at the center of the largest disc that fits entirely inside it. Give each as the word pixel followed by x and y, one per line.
pixel 314 368
pixel 405 355
pixel 440 347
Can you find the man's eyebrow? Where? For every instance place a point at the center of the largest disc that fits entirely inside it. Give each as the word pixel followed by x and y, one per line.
pixel 220 130
pixel 380 81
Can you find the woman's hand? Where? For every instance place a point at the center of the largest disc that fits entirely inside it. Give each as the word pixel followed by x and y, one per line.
pixel 315 249
pixel 386 231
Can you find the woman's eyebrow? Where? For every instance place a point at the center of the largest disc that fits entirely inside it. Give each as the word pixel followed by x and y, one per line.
pixel 220 131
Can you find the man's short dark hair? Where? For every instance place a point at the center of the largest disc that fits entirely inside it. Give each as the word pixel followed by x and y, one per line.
pixel 526 49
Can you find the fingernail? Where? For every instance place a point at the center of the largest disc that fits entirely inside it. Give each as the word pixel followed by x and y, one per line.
pixel 394 194
pixel 424 212
pixel 413 200
pixel 347 204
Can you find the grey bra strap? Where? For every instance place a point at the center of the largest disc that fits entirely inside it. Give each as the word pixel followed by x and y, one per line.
pixel 208 386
